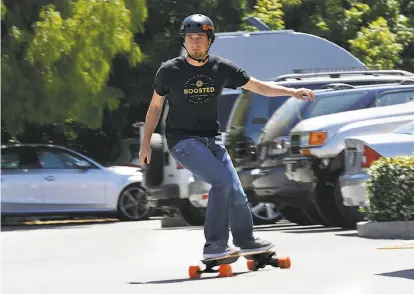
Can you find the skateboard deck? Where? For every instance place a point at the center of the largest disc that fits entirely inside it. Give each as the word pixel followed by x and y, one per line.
pixel 255 261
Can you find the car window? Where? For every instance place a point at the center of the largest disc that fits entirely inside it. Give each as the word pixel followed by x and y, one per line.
pixel 10 158
pixel 286 117
pixel 27 158
pixel 334 103
pixel 56 158
pixel 395 97
pixel 70 159
pixel 49 160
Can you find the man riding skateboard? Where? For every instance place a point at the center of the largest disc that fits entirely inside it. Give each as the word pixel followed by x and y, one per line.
pixel 193 84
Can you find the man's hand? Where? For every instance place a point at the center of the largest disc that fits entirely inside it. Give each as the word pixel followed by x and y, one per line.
pixel 271 89
pixel 145 153
pixel 303 94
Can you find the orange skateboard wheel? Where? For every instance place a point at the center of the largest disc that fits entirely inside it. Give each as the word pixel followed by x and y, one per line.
pixel 284 262
pixel 194 271
pixel 251 265
pixel 225 270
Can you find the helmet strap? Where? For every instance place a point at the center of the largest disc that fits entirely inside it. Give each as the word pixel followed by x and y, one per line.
pixel 198 59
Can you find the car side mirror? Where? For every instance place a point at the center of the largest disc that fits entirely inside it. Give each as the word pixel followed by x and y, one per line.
pixel 82 164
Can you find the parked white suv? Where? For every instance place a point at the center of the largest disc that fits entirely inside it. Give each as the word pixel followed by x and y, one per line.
pixel 171 187
pixel 317 150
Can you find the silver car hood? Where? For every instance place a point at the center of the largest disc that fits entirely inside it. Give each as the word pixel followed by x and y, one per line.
pixel 334 121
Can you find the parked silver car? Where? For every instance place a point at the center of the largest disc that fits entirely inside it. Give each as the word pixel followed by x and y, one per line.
pixel 41 179
pixel 362 151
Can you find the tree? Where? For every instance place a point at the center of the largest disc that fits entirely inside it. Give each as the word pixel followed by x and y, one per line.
pixel 268 11
pixel 59 69
pixel 377 46
pixel 358 26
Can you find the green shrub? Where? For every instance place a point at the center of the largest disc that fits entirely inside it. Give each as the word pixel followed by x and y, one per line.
pixel 391 189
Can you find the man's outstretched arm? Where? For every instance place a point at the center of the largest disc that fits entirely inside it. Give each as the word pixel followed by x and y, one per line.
pixel 271 89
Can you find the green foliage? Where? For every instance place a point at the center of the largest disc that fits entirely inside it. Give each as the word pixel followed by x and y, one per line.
pixel 3 10
pixel 61 68
pixel 77 58
pixel 390 189
pixel 358 26
pixel 377 46
pixel 268 11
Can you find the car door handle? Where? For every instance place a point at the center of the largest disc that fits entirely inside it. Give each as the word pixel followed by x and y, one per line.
pixel 50 178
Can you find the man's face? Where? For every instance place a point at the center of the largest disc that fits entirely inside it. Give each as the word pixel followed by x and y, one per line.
pixel 197 44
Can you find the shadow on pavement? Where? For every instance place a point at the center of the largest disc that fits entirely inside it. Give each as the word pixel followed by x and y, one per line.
pixel 406 274
pixel 256 228
pixel 282 227
pixel 61 224
pixel 296 229
pixel 172 281
pixel 355 234
pixel 286 227
pixel 319 230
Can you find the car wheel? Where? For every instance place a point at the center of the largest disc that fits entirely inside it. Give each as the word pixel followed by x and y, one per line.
pixel 264 213
pixel 350 214
pixel 326 205
pixel 133 204
pixel 296 215
pixel 312 212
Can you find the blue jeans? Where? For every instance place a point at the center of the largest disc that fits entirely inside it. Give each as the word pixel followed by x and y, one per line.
pixel 207 159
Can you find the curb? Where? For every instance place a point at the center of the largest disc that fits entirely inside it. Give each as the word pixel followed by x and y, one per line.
pixel 386 230
pixel 173 221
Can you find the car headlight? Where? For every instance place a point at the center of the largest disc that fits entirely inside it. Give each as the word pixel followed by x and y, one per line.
pixel 315 138
pixel 280 146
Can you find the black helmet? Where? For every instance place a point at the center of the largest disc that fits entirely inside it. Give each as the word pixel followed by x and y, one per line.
pixel 197 23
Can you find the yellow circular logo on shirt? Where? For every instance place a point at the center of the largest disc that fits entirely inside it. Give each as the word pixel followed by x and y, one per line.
pixel 199 89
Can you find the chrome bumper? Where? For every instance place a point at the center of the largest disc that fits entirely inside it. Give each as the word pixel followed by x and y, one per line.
pixel 353 189
pixel 299 169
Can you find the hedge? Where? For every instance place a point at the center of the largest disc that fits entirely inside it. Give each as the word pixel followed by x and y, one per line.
pixel 390 189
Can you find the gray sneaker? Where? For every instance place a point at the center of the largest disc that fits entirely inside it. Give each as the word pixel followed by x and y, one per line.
pixel 256 244
pixel 215 251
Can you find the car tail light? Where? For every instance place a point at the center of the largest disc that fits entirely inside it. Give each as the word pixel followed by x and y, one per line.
pixel 369 156
pixel 180 166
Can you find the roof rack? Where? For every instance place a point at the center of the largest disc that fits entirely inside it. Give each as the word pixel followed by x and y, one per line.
pixel 338 73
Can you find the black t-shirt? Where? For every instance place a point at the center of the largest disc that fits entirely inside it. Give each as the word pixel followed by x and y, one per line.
pixel 193 92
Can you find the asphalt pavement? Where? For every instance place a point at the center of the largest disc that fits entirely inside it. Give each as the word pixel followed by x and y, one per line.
pixel 142 257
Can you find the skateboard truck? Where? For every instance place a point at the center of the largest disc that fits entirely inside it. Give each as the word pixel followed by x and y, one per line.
pixel 254 263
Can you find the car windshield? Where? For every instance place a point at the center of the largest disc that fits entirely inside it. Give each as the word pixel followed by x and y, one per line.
pixel 286 117
pixel 334 103
pixel 294 110
pixel 251 113
pixel 405 129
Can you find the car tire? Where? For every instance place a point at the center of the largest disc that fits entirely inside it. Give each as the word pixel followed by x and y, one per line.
pixel 326 204
pixel 312 212
pixel 296 215
pixel 259 219
pixel 194 216
pixel 350 214
pixel 135 209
